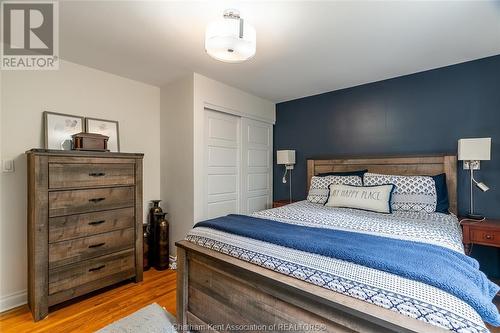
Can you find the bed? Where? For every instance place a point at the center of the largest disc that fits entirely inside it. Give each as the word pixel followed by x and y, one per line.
pixel 228 282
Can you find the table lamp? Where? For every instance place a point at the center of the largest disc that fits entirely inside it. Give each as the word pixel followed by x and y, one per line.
pixel 287 158
pixel 471 152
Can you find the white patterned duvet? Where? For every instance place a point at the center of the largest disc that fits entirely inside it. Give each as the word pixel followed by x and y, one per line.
pixel 408 297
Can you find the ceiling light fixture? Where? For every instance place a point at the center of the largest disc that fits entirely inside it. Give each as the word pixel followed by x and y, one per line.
pixel 230 39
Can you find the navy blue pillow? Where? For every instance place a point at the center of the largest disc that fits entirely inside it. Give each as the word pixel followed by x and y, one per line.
pixel 359 173
pixel 443 204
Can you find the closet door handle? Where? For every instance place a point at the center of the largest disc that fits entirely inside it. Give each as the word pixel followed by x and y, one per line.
pixel 97 268
pixel 97 174
pixel 96 245
pixel 96 222
pixel 96 200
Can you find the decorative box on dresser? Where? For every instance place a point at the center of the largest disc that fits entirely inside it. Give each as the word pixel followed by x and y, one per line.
pixel 84 223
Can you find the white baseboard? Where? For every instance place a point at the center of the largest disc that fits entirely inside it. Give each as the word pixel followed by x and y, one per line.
pixel 13 300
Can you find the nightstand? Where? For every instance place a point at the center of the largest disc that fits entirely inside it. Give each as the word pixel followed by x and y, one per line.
pixel 279 203
pixel 486 232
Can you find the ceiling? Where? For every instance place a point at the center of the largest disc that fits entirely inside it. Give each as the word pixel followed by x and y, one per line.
pixel 303 47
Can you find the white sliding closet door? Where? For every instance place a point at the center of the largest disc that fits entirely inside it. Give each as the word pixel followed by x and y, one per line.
pixel 257 159
pixel 222 164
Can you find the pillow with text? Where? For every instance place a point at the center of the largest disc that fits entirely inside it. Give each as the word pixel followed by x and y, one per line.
pixel 371 198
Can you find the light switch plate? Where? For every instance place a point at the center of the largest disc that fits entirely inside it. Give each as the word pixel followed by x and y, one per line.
pixel 7 165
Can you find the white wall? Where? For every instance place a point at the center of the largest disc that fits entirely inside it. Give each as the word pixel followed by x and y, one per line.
pixel 177 156
pixel 73 89
pixel 220 96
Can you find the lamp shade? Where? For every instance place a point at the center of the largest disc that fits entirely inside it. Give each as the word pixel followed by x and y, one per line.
pixel 286 157
pixel 478 149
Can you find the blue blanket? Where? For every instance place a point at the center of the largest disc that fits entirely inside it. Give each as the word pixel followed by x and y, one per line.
pixel 434 265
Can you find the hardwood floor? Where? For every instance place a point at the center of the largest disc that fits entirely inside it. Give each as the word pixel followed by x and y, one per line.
pixel 93 312
pixel 88 314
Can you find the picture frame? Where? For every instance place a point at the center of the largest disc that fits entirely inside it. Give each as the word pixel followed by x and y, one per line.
pixel 106 127
pixel 59 127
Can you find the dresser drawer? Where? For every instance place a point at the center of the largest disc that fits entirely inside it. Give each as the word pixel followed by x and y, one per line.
pixel 84 201
pixel 485 236
pixel 72 276
pixel 74 226
pixel 71 175
pixel 67 252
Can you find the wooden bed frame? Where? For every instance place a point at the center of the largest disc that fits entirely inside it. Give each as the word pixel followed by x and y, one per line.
pixel 216 292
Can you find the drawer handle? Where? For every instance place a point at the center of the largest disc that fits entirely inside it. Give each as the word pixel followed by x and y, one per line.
pixel 97 268
pixel 97 174
pixel 488 236
pixel 97 222
pixel 96 245
pixel 96 200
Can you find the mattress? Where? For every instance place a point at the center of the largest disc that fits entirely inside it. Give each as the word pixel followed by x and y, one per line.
pixel 408 297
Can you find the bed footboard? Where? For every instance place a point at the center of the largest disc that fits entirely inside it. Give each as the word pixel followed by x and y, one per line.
pixel 219 293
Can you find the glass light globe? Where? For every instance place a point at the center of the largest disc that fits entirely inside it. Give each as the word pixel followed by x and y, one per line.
pixel 224 41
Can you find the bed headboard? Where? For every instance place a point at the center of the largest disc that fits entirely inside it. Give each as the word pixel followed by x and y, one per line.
pixel 411 165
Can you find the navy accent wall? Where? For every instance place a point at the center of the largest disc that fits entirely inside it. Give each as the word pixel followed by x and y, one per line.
pixel 422 113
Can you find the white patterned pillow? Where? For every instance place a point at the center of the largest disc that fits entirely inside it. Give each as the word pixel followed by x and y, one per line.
pixel 412 193
pixel 318 192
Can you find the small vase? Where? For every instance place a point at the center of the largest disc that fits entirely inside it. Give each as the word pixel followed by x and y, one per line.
pixel 152 239
pixel 161 246
pixel 153 210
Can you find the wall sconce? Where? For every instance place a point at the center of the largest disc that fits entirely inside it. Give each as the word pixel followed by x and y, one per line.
pixel 287 158
pixel 471 152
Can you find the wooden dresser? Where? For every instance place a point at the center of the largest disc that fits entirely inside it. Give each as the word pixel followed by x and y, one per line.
pixel 84 224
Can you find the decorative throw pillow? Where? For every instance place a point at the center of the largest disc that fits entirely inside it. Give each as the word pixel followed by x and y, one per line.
pixel 443 203
pixel 412 193
pixel 372 198
pixel 318 192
